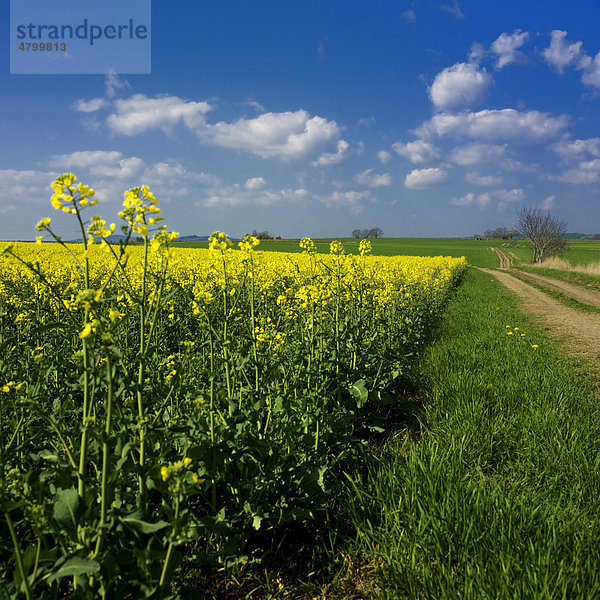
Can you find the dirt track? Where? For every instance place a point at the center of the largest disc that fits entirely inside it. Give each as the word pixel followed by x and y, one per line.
pixel 505 259
pixel 590 297
pixel 578 331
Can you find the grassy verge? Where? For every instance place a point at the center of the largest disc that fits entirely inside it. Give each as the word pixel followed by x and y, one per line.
pixel 582 279
pixel 498 497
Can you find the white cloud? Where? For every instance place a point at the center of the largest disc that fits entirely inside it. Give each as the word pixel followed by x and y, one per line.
pixel 286 135
pixel 257 106
pixel 506 47
pixel 496 125
pixel 367 121
pixel 459 86
pixel 384 156
pixel 480 201
pixel 585 172
pixel 27 186
pixel 171 174
pixel 352 201
pixel 333 158
pixel 514 195
pixel 477 153
pixel 576 149
pixel 591 73
pixel 237 195
pixel 114 82
pixel 418 151
pixel 422 178
pixel 453 8
pixel 86 158
pixel 139 113
pixel 255 183
pixel 548 203
pixel 373 180
pixel 483 180
pixel 560 54
pixel 89 105
pixel 101 163
pixel 486 199
pixel 477 53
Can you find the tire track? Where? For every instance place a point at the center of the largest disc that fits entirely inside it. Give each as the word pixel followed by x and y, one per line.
pixel 505 260
pixel 575 292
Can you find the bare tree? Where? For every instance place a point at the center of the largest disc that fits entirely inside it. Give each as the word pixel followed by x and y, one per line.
pixel 545 232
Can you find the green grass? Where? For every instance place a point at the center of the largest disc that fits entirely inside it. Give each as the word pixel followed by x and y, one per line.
pixel 582 253
pixel 498 497
pixel 478 253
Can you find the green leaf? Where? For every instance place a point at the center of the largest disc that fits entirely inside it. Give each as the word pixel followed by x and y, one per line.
pixel 65 505
pixel 359 392
pixel 75 566
pixel 143 526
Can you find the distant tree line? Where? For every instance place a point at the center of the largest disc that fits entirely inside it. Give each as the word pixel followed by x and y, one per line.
pixel 374 232
pixel 264 235
pixel 500 233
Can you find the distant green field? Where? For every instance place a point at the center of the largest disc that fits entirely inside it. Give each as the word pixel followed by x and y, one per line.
pixel 582 253
pixel 478 253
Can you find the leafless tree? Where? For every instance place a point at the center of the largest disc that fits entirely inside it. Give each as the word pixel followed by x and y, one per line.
pixel 545 232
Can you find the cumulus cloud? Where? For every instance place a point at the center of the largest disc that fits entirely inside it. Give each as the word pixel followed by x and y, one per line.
pixel 101 163
pixel 333 158
pixel 237 195
pixel 384 156
pixel 480 201
pixel 113 83
pixel 28 186
pixel 459 86
pixel 508 124
pixel 418 151
pixel 255 183
pixel 483 180
pixel 514 195
pixel 351 201
pixel 486 199
pixel 371 179
pixel 453 8
pixel 586 172
pixel 286 135
pixel 576 149
pixel 89 105
pixel 477 153
pixel 171 173
pixel 86 158
pixel 419 179
pixel 548 203
pixel 560 53
pixel 506 47
pixel 139 113
pixel 591 70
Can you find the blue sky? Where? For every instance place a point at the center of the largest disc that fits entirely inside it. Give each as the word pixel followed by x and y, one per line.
pixel 315 118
